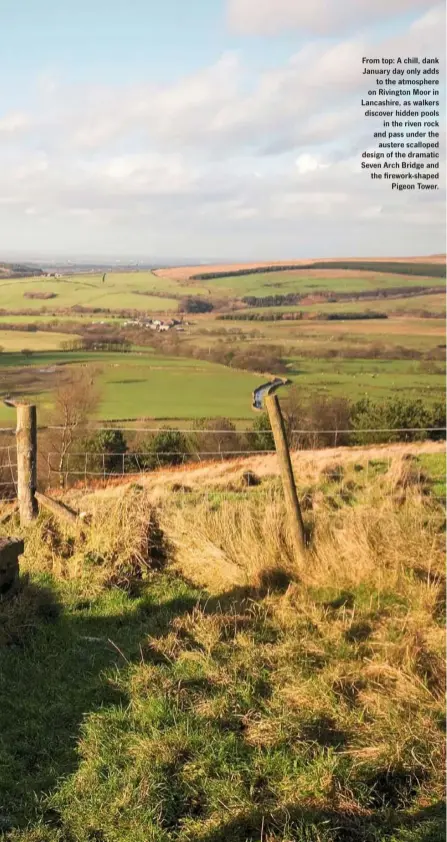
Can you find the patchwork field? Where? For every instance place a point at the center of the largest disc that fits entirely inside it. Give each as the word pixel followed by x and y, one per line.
pixel 161 293
pixel 186 272
pixel 180 376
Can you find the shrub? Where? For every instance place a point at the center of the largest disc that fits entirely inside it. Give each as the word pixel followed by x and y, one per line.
pixel 217 436
pixel 196 305
pixel 262 437
pixel 167 447
pixel 408 418
pixel 105 451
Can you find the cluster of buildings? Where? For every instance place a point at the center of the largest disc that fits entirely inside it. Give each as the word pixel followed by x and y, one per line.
pixel 159 325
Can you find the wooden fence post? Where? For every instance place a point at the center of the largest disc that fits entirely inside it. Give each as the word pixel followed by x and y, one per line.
pixel 26 437
pixel 288 480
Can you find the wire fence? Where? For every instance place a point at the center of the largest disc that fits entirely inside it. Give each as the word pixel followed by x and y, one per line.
pixel 8 472
pixel 77 465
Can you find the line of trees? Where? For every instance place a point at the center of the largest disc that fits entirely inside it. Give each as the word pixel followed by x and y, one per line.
pixel 291 298
pixel 98 342
pixel 427 270
pixel 302 315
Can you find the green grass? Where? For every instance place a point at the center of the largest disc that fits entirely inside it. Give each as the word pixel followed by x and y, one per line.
pixel 281 283
pixel 136 385
pixel 434 465
pixel 119 291
pixel 44 318
pixel 17 340
pixel 418 333
pixel 377 379
pixel 434 303
pixel 309 707
pixel 116 293
pixel 166 388
pixel 146 385
pixel 141 719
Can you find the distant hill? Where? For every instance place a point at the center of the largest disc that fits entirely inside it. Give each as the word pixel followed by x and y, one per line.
pixel 19 270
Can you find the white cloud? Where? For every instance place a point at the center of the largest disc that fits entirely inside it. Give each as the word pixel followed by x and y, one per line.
pixel 309 163
pixel 14 122
pixel 194 164
pixel 324 17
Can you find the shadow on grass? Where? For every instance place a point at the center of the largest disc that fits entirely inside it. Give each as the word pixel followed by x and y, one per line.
pixel 55 668
pixel 302 824
pixel 57 665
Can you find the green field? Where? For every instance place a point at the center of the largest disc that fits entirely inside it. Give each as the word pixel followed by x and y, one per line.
pixel 434 303
pixel 17 340
pixel 40 319
pixel 116 293
pixel 160 385
pixel 136 385
pixel 143 384
pixel 376 379
pixel 120 289
pixel 415 333
pixel 282 283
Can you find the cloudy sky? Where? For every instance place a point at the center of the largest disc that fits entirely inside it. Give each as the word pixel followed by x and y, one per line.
pixel 202 129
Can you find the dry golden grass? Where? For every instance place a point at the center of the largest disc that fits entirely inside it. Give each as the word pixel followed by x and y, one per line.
pixel 309 467
pixel 363 526
pixel 119 542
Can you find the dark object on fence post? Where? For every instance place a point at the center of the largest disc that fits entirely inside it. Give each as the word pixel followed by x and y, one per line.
pixel 26 436
pixel 10 550
pixel 288 480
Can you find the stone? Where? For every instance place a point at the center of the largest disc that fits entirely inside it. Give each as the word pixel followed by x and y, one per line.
pixel 10 550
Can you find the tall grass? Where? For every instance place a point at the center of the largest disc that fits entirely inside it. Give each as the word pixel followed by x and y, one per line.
pixel 277 702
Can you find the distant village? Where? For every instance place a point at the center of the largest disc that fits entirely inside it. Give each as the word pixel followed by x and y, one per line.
pixel 159 325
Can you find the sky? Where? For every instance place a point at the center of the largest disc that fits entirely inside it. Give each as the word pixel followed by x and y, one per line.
pixel 203 130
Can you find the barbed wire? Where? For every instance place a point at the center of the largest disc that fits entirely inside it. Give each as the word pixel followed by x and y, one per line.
pixel 191 431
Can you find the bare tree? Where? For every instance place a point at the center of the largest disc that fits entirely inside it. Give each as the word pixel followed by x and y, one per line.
pixel 74 402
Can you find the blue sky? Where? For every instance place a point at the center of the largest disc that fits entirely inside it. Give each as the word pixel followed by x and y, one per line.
pixel 201 129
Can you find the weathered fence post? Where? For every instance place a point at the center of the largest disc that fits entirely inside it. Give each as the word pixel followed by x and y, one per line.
pixel 288 480
pixel 26 437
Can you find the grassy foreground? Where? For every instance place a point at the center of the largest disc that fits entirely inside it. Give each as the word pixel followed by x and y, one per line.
pixel 278 704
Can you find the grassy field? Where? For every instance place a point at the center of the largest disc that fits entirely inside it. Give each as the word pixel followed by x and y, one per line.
pixel 17 340
pixel 45 318
pixel 116 293
pixel 138 385
pixel 120 290
pixel 135 385
pixel 376 379
pixel 144 384
pixel 201 685
pixel 307 282
pixel 405 306
pixel 421 334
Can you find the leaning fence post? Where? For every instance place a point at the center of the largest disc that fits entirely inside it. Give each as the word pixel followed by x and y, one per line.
pixel 288 480
pixel 26 438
